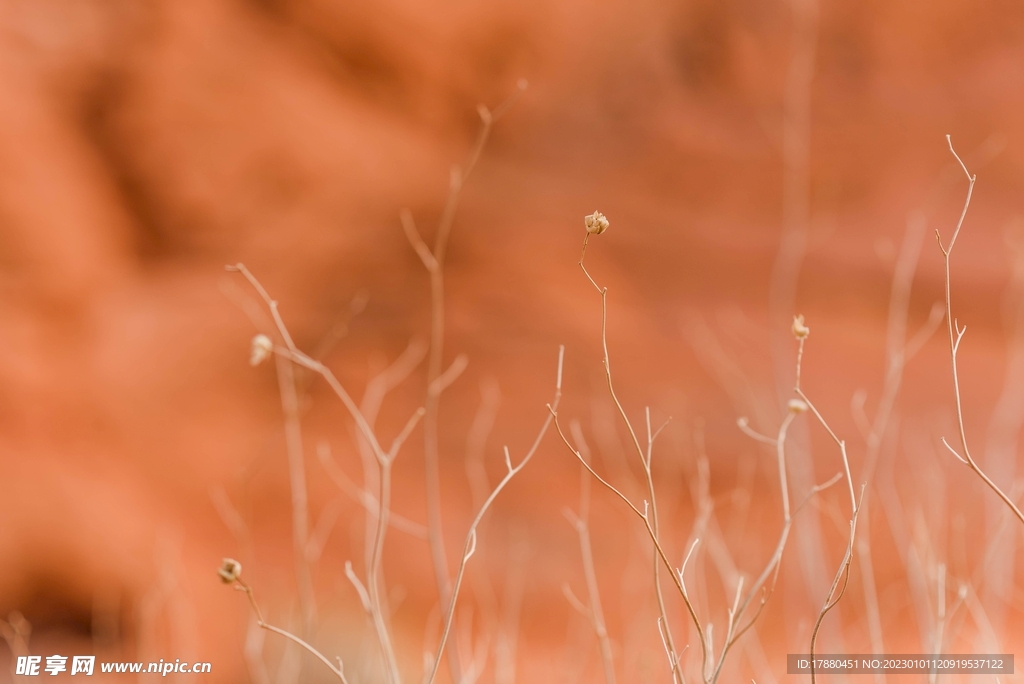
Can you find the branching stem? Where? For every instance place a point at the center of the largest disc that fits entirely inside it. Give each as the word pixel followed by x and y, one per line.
pixel 956 334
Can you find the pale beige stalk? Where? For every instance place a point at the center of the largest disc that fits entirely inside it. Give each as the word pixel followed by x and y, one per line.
pixel 954 346
pixel 433 260
pixel 469 547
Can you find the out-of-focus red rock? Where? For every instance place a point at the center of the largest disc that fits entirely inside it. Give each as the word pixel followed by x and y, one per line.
pixel 145 145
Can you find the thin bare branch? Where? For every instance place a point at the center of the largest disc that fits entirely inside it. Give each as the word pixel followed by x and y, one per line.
pixel 576 604
pixel 954 452
pixel 444 381
pixel 410 425
pixel 297 481
pixel 292 352
pixel 595 613
pixel 374 589
pixel 357 584
pixel 413 235
pixel 365 499
pixel 764 584
pixel 744 425
pixel 435 267
pixel 322 530
pixel 841 443
pixel 645 459
pixel 271 303
pixel 917 342
pixel 338 671
pixel 860 416
pixel 647 525
pixel 954 345
pixel 469 548
pixel 842 575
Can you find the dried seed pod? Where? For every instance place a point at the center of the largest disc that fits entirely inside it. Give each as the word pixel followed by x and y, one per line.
pixel 596 223
pixel 800 331
pixel 260 350
pixel 229 571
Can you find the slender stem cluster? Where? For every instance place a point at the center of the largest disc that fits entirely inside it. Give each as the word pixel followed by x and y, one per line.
pixel 373 600
pixel 743 613
pixel 371 593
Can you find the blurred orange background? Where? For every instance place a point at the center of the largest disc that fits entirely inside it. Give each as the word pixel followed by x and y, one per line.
pixel 755 160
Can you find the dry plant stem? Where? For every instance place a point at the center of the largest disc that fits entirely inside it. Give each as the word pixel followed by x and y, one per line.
pixel 433 261
pixel 377 525
pixel 594 612
pixel 764 584
pixel 954 346
pixel 711 668
pixel 365 499
pixel 796 183
pixel 645 460
pixel 297 478
pixel 476 441
pixel 469 548
pixel 761 585
pixel 980 618
pixel 797 130
pixel 899 351
pixel 843 573
pixel 384 459
pixel 665 629
pixel 338 671
pixel 647 524
pixel 873 615
pixel 232 519
pixel 377 606
pixel 912 548
pixel 993 546
pixel 944 616
pixel 704 527
pixel 377 389
pixel 498 621
pixel 377 609
pixel 293 353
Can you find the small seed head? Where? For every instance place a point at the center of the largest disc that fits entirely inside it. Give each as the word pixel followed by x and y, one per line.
pixel 260 350
pixel 596 223
pixel 800 331
pixel 229 571
pixel 797 405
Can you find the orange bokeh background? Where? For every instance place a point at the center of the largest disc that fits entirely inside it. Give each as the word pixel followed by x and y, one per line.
pixel 143 146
